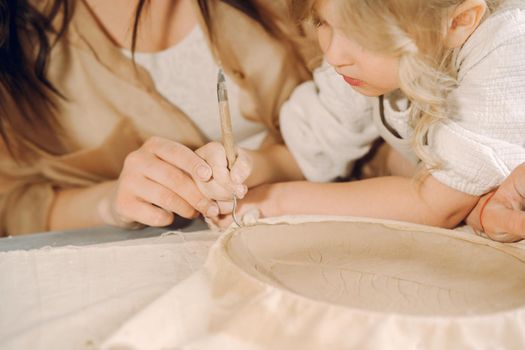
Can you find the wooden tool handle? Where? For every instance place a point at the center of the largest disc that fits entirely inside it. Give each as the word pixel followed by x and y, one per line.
pixel 227 133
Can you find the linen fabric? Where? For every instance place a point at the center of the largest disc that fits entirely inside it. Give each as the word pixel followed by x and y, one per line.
pixel 75 297
pixel 340 283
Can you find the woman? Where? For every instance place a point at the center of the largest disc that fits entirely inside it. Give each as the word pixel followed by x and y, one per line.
pixel 92 138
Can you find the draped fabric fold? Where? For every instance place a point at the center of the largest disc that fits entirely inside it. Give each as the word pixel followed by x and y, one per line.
pixel 340 283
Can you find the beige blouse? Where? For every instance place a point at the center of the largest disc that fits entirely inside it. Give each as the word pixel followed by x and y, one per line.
pixel 113 107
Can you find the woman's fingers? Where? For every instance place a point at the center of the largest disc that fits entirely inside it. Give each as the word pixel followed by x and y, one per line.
pixel 225 207
pixel 503 224
pixel 218 192
pixel 180 184
pixel 501 218
pixel 222 187
pixel 129 206
pixel 248 212
pixel 242 168
pixel 157 182
pixel 215 156
pixel 164 177
pixel 224 221
pixel 148 214
pixel 170 164
pixel 179 156
pixel 162 197
pixel 500 214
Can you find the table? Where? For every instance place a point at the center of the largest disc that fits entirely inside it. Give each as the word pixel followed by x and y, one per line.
pixel 72 289
pixel 83 237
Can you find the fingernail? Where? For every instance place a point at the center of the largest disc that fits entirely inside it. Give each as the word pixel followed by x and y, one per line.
pixel 213 211
pixel 204 172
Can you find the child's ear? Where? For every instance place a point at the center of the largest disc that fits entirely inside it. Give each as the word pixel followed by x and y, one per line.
pixel 463 21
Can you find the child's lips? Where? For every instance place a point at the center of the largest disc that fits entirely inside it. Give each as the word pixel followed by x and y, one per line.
pixel 353 82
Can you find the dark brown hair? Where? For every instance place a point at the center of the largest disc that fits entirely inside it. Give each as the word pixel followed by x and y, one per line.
pixel 27 108
pixel 26 95
pixel 247 7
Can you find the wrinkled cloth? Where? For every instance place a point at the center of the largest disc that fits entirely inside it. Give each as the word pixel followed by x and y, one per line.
pixel 75 297
pixel 340 283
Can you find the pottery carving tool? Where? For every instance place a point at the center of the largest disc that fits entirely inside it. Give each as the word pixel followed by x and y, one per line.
pixel 226 130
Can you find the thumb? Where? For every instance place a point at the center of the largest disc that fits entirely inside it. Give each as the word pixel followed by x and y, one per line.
pixel 504 225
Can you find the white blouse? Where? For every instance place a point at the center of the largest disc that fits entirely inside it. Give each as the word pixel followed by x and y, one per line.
pixel 186 75
pixel 327 125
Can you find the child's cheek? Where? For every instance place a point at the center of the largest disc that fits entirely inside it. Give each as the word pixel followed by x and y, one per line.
pixel 324 38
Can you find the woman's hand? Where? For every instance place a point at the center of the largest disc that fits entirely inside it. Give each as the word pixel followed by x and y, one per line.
pixel 158 181
pixel 502 218
pixel 260 202
pixel 224 183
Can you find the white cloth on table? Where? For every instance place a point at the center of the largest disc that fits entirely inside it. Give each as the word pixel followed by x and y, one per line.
pixel 75 297
pixel 341 283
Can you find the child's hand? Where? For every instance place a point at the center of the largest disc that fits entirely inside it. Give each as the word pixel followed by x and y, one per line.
pixel 224 183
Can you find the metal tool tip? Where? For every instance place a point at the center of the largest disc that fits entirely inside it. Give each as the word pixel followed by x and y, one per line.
pixel 220 77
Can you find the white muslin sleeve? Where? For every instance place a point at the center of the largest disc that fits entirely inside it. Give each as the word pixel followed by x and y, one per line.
pixel 484 138
pixel 327 126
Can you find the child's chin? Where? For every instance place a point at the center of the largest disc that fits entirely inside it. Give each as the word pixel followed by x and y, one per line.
pixel 369 91
pixel 366 91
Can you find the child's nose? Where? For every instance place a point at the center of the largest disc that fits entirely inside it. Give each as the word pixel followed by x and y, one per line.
pixel 335 53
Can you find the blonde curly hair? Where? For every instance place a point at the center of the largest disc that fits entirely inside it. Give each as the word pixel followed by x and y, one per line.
pixel 412 30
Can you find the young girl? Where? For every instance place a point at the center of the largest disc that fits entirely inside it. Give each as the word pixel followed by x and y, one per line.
pixel 443 82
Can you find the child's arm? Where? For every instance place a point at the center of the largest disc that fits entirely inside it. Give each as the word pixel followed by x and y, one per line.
pixel 326 125
pixel 273 164
pixel 250 169
pixel 395 198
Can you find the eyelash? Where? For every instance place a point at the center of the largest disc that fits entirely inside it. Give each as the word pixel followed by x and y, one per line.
pixel 318 22
pixel 316 19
